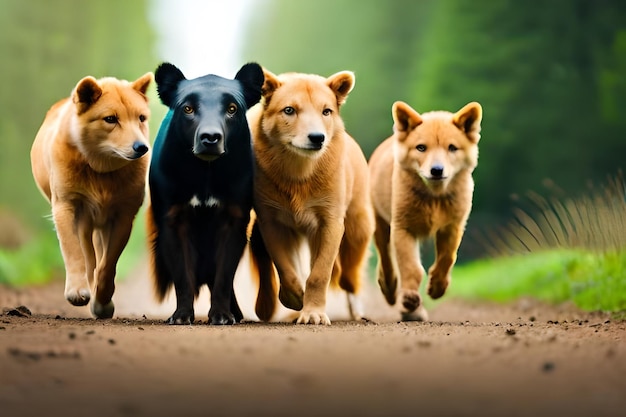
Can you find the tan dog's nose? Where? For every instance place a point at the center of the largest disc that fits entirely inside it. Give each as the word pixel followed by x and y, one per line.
pixel 317 139
pixel 140 148
pixel 436 171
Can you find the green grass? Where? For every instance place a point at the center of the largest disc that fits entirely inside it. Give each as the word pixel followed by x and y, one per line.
pixel 36 262
pixel 593 281
pixel 40 260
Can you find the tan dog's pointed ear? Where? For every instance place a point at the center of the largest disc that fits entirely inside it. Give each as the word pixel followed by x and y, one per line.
pixel 405 118
pixel 142 83
pixel 86 93
pixel 270 85
pixel 341 83
pixel 468 120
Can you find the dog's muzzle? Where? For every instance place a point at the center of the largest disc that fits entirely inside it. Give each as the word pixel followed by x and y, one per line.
pixel 209 146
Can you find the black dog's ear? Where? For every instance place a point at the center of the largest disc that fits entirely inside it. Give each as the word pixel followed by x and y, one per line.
pixel 252 78
pixel 167 77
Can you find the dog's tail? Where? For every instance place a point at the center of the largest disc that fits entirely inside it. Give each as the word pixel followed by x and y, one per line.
pixel 263 270
pixel 161 285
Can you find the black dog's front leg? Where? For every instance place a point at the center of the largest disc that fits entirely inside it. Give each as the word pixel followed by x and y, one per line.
pixel 232 242
pixel 180 259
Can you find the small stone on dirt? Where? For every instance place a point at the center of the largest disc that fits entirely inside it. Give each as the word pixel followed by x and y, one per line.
pixel 548 367
pixel 21 311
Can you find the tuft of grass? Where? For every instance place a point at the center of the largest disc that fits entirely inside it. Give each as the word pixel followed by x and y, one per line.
pixel 557 250
pixel 595 221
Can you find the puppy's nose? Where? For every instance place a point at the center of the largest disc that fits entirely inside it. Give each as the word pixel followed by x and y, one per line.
pixel 140 148
pixel 208 139
pixel 316 138
pixel 436 171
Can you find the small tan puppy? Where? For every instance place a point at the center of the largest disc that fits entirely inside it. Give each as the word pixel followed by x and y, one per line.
pixel 311 186
pixel 421 187
pixel 89 161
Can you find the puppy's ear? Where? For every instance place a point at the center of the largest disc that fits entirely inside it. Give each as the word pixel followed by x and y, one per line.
pixel 142 83
pixel 252 78
pixel 341 83
pixel 270 84
pixel 468 120
pixel 168 77
pixel 86 93
pixel 405 118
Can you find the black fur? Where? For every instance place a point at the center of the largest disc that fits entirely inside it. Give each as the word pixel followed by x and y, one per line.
pixel 201 188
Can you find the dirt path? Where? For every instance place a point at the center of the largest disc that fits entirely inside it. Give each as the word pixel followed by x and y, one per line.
pixel 521 359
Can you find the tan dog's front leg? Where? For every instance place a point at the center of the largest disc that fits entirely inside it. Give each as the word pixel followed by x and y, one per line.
pixel 406 250
pixel 324 251
pixel 76 284
pixel 387 279
pixel 110 242
pixel 282 245
pixel 447 243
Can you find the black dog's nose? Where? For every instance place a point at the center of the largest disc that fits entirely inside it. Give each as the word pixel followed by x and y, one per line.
pixel 140 148
pixel 436 171
pixel 210 138
pixel 316 138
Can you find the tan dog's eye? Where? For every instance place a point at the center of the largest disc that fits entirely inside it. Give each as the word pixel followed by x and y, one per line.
pixel 327 112
pixel 188 109
pixel 110 119
pixel 452 148
pixel 421 148
pixel 232 109
pixel 142 118
pixel 289 110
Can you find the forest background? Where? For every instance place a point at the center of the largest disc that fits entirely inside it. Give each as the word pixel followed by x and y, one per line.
pixel 550 75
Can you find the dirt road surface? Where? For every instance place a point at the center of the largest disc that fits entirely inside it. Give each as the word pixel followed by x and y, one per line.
pixel 470 359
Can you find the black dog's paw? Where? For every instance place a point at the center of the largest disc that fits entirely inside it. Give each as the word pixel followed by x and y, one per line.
pixel 221 318
pixel 238 316
pixel 181 316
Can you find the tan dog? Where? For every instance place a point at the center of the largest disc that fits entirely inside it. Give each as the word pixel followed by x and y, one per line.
pixel 87 161
pixel 421 187
pixel 311 184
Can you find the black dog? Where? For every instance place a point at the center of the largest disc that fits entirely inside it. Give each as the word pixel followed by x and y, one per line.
pixel 201 188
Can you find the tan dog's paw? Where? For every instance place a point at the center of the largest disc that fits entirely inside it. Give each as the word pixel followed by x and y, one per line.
pixel 388 291
pixel 290 299
pixel 78 296
pixel 420 314
pixel 411 300
pixel 437 286
pixel 313 317
pixel 100 311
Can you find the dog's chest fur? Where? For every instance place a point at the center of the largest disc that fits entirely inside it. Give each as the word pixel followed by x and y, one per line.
pixel 414 204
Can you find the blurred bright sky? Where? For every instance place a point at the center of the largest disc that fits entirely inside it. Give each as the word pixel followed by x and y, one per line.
pixel 200 36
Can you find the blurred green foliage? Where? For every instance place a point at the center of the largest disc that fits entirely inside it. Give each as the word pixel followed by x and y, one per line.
pixel 47 46
pixel 551 77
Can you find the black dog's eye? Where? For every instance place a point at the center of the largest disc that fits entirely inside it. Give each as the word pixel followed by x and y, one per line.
pixel 452 148
pixel 188 109
pixel 110 119
pixel 142 118
pixel 421 148
pixel 289 110
pixel 232 109
pixel 327 112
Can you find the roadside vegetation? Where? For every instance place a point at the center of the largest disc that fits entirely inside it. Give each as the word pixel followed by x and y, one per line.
pixel 557 250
